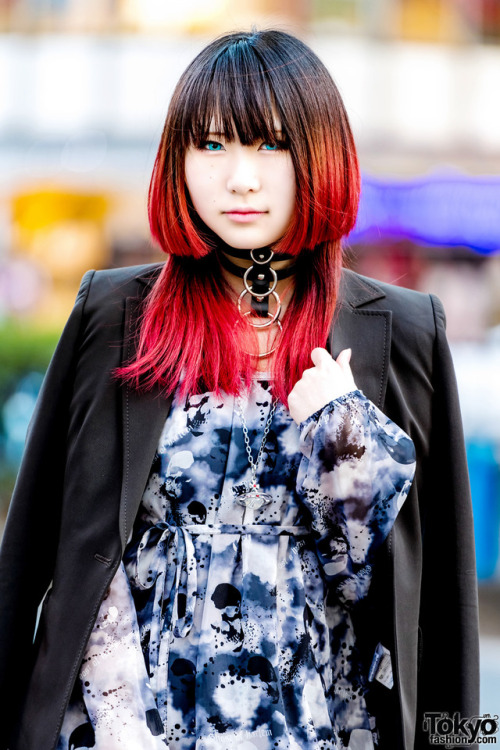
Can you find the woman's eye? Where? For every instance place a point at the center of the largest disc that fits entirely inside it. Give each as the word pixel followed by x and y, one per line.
pixel 278 146
pixel 211 146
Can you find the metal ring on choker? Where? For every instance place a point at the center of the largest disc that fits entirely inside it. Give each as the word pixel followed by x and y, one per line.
pixel 265 325
pixel 243 254
pixel 261 262
pixel 274 318
pixel 266 354
pixel 260 295
pixel 282 273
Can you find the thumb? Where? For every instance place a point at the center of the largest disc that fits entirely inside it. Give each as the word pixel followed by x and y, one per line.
pixel 343 361
pixel 344 358
pixel 320 357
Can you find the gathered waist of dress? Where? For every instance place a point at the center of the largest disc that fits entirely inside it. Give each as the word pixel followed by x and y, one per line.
pixel 164 558
pixel 268 529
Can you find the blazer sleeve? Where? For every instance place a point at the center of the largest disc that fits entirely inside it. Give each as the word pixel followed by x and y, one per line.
pixel 449 648
pixel 30 538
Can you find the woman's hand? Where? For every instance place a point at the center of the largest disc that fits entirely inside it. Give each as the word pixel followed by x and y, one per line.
pixel 328 379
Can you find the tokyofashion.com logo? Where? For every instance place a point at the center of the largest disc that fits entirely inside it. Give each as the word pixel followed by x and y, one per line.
pixel 451 731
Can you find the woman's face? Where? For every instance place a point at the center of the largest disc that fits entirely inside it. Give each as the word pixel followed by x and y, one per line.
pixel 245 194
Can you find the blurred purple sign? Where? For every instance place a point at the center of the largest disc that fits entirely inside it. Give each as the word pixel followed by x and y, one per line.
pixel 440 209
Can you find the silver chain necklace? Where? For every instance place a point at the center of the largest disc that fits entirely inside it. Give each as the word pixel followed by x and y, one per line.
pixel 253 497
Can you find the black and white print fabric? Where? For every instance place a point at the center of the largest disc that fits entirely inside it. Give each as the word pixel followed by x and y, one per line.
pixel 227 627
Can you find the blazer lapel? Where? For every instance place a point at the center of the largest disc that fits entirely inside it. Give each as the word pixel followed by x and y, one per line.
pixel 143 417
pixel 366 331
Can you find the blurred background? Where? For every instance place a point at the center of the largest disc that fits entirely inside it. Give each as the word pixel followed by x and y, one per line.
pixel 84 88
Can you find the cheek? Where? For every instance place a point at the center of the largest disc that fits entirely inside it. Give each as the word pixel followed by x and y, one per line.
pixel 290 199
pixel 200 181
pixel 287 185
pixel 195 178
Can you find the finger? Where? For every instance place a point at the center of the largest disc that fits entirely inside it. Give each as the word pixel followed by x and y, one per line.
pixel 344 357
pixel 321 358
pixel 343 361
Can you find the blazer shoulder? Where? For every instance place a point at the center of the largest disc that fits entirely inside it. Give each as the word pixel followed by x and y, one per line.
pixel 117 283
pixel 411 310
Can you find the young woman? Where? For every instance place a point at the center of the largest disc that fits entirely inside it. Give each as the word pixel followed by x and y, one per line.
pixel 238 541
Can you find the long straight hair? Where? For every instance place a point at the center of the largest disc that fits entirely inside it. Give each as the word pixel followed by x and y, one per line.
pixel 190 331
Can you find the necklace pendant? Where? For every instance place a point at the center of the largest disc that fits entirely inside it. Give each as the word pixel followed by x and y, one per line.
pixel 253 498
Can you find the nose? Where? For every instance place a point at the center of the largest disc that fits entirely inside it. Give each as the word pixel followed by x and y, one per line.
pixel 243 177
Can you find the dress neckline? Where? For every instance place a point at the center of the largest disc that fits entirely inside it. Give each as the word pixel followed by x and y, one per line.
pixel 262 376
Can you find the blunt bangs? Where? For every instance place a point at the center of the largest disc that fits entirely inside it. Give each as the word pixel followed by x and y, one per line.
pixel 233 96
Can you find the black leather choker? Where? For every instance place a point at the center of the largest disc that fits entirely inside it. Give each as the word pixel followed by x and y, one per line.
pixel 245 254
pixel 260 279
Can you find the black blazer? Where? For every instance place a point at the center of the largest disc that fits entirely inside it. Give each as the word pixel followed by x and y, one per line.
pixel 87 459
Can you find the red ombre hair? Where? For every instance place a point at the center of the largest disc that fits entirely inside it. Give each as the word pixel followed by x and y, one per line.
pixel 190 326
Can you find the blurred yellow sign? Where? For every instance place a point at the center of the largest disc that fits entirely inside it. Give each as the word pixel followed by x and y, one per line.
pixel 44 208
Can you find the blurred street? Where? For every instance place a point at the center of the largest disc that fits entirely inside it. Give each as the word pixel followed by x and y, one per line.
pixel 489 609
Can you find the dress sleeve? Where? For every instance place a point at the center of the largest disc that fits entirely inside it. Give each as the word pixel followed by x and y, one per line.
pixel 355 473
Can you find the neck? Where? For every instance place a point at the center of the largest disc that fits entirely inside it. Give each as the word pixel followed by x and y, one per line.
pixel 236 261
pixel 234 276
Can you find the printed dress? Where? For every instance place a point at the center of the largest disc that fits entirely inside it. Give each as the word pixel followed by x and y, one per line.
pixel 227 627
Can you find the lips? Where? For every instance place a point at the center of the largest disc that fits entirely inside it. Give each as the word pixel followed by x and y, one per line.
pixel 244 211
pixel 244 215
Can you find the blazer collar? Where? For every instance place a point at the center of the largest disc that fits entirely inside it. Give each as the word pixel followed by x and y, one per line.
pixel 357 324
pixel 356 291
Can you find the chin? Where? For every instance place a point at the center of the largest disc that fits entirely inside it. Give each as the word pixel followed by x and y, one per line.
pixel 248 243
